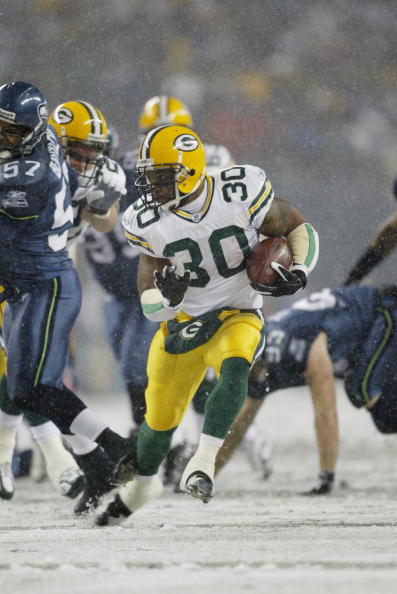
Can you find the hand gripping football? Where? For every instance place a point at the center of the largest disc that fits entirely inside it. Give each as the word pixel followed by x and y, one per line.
pixel 272 249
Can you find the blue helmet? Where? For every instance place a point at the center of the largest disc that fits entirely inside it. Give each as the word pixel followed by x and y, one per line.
pixel 114 143
pixel 24 108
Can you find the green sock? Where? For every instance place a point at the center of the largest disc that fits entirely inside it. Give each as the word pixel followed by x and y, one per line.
pixel 153 446
pixel 226 399
pixel 33 419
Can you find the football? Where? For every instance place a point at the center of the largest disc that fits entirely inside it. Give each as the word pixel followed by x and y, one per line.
pixel 272 249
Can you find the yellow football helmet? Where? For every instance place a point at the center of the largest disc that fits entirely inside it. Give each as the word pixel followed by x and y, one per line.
pixel 162 110
pixel 83 133
pixel 171 165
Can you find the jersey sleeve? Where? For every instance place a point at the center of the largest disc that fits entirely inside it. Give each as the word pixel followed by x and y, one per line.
pixel 133 232
pixel 260 195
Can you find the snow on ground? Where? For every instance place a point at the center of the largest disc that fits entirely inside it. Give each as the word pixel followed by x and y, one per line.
pixel 254 537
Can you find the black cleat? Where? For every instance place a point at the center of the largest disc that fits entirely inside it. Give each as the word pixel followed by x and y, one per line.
pixel 126 468
pixel 98 470
pixel 122 451
pixel 115 513
pixel 199 485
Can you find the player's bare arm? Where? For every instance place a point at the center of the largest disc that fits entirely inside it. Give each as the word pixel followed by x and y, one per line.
pixel 281 219
pixel 320 376
pixel 161 290
pixel 237 431
pixel 384 242
pixel 103 223
pixel 286 220
pixel 386 238
pixel 146 270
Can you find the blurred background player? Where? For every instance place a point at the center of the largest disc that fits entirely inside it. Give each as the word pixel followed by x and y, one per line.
pixel 348 333
pixel 115 266
pixel 83 133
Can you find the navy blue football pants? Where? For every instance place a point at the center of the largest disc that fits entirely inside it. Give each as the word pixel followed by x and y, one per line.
pixel 36 331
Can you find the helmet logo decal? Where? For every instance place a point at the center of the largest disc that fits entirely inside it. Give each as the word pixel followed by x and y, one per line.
pixel 63 115
pixel 186 142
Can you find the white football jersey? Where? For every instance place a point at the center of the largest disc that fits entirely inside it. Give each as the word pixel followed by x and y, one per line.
pixel 211 237
pixel 79 227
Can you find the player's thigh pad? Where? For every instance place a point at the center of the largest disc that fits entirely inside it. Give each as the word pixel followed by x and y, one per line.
pixel 172 382
pixel 241 335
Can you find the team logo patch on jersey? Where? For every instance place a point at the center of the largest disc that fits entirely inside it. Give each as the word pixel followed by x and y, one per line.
pixel 191 330
pixel 15 199
pixel 63 116
pixel 186 142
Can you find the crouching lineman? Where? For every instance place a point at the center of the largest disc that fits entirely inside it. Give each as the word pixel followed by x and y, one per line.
pixel 194 232
pixel 41 286
pixel 348 333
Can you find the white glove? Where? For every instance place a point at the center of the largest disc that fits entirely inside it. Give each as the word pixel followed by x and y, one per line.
pixel 109 187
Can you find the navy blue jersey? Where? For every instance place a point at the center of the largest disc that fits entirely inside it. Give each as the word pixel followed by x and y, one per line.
pixel 128 162
pixel 113 260
pixel 35 214
pixel 344 314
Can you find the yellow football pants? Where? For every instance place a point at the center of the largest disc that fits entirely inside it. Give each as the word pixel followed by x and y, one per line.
pixel 174 379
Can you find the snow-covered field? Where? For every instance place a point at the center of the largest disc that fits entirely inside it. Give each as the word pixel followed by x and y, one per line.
pixel 254 536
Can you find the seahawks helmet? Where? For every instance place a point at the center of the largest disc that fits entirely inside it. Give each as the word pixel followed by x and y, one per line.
pixel 170 166
pixel 113 143
pixel 162 110
pixel 83 133
pixel 23 119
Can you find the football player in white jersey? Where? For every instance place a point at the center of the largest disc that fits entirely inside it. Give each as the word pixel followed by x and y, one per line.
pixel 83 133
pixel 157 111
pixel 195 232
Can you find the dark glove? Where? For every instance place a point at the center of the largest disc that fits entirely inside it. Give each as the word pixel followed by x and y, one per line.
pixel 365 264
pixel 290 282
pixel 172 286
pixel 325 484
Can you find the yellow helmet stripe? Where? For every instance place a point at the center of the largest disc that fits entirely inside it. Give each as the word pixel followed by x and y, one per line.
pixel 95 118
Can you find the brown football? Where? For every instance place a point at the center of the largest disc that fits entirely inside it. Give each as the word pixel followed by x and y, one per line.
pixel 272 249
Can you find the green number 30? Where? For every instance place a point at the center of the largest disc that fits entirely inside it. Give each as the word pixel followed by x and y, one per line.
pixel 200 277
